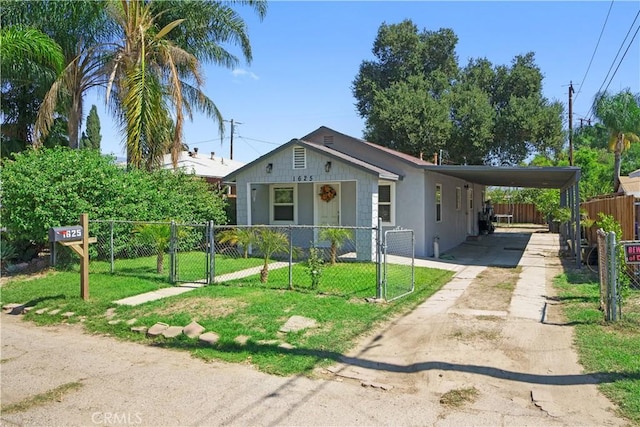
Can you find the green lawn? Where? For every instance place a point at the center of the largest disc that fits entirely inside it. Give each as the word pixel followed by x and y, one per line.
pixel 232 311
pixel 610 349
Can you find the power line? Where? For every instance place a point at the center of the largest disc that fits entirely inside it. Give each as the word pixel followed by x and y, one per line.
pixel 258 140
pixel 616 57
pixel 595 50
pixel 623 55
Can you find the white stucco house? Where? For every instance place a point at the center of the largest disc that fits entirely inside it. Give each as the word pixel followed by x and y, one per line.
pixel 208 166
pixel 328 178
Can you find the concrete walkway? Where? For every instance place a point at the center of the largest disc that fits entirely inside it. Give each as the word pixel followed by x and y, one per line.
pixel 186 287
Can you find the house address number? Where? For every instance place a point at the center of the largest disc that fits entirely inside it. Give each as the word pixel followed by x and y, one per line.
pixel 302 178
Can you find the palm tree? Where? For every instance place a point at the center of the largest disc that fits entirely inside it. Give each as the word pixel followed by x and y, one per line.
pixel 269 242
pixel 239 236
pixel 337 237
pixel 158 236
pixel 620 114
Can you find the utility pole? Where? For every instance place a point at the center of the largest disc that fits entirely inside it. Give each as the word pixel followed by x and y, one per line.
pixel 571 123
pixel 232 130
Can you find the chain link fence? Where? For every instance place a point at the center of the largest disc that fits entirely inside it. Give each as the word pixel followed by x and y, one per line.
pixel 342 261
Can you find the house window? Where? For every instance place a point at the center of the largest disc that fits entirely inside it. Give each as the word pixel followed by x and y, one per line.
pixel 438 202
pixel 458 198
pixel 283 206
pixel 386 205
pixel 299 158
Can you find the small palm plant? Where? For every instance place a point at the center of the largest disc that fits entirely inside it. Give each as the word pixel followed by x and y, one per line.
pixel 242 236
pixel 158 236
pixel 270 242
pixel 337 237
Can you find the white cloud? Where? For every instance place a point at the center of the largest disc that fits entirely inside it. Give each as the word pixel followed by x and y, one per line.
pixel 241 72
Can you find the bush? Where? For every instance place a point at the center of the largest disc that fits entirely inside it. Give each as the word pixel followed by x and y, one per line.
pixel 52 187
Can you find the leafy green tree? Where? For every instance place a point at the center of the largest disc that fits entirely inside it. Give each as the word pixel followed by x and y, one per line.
pixel 270 242
pixel 414 98
pixel 620 114
pixel 337 237
pixel 92 138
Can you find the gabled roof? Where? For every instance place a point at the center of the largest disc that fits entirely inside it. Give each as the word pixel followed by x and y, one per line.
pixel 202 165
pixel 630 185
pixel 407 158
pixel 357 163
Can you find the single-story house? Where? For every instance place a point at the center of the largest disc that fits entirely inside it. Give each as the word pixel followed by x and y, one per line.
pixel 210 167
pixel 329 178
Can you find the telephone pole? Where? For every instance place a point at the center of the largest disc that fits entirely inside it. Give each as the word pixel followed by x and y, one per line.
pixel 232 130
pixel 571 123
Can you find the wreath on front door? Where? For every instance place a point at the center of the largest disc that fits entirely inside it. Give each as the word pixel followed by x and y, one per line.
pixel 327 193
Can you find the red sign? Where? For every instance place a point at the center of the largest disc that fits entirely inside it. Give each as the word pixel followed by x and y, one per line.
pixel 632 253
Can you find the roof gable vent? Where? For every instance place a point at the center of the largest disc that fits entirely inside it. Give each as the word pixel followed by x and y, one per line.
pixel 327 139
pixel 299 158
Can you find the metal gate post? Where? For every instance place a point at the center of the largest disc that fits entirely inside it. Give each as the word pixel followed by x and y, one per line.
pixel 379 259
pixel 111 246
pixel 290 257
pixel 211 253
pixel 172 253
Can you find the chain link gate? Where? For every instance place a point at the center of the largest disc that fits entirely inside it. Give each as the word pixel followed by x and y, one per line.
pixel 398 276
pixel 190 253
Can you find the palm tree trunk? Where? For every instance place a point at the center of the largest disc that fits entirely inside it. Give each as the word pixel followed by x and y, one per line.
pixel 264 273
pixel 617 163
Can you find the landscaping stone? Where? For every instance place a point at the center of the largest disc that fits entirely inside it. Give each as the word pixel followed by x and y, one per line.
pixel 56 311
pixel 26 310
pixel 68 314
pixel 114 322
pixel 268 342
pixel 139 329
pixel 110 313
pixel 131 321
pixel 241 339
pixel 193 330
pixel 209 338
pixel 13 308
pixel 172 331
pixel 297 323
pixel 287 346
pixel 82 318
pixel 157 329
pixel 41 310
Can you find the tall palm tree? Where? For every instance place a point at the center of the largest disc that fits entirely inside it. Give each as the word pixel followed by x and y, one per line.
pixel 620 114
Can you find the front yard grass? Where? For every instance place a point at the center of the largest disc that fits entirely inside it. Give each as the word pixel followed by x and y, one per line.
pixel 611 350
pixel 234 310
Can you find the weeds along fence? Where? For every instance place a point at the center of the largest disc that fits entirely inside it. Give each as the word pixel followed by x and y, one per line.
pixel 330 260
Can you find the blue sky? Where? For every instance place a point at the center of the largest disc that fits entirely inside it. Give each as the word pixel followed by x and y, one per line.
pixel 307 54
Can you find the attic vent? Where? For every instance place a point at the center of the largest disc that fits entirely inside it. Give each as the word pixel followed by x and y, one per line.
pixel 327 139
pixel 299 158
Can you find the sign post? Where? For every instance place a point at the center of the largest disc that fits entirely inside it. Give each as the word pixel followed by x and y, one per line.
pixel 77 238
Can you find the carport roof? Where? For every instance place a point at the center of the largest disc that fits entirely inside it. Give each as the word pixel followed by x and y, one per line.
pixel 532 177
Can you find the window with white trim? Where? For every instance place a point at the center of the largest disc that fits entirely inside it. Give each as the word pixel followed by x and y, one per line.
pixel 386 202
pixel 299 158
pixel 283 208
pixel 458 198
pixel 438 202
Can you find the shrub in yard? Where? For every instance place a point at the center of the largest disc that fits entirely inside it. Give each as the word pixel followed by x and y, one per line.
pixel 337 237
pixel 314 266
pixel 270 242
pixel 52 187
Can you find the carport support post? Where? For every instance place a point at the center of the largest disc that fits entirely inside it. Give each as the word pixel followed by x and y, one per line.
pixel 379 259
pixel 578 231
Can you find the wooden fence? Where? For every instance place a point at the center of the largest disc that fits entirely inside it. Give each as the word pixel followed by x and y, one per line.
pixel 524 213
pixel 621 208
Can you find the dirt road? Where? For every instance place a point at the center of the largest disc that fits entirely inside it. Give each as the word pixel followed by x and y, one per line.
pixel 453 361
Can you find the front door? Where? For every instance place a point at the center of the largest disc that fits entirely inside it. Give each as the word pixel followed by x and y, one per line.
pixel 327 204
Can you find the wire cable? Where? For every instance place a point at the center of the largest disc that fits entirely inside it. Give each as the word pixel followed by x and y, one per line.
pixel 595 50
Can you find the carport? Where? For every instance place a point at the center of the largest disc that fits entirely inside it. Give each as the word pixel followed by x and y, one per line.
pixel 566 179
